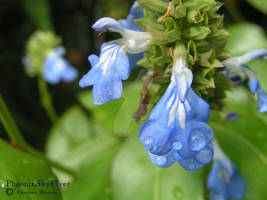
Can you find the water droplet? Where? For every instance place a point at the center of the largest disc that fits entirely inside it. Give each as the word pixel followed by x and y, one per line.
pixel 191 166
pixel 148 141
pixel 178 193
pixel 177 145
pixel 197 140
pixel 161 160
pixel 204 156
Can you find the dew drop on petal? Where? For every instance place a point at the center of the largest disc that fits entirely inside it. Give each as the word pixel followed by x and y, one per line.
pixel 197 140
pixel 204 156
pixel 148 141
pixel 177 145
pixel 161 160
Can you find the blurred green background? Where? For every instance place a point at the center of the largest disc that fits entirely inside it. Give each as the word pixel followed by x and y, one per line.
pixel 96 141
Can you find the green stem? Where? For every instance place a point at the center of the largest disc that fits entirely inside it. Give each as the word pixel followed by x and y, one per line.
pixel 16 136
pixel 234 11
pixel 10 125
pixel 46 100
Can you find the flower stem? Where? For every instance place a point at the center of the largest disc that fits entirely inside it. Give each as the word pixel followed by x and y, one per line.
pixel 46 100
pixel 16 137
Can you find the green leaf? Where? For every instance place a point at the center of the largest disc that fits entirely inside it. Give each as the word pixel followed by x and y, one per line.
pixel 93 180
pixel 245 37
pixel 244 141
pixel 116 115
pixel 196 32
pixel 134 177
pixel 74 140
pixel 259 4
pixel 21 167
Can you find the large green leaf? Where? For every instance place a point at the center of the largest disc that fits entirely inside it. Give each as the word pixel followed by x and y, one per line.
pixel 135 178
pixel 93 180
pixel 20 167
pixel 245 141
pixel 259 4
pixel 244 37
pixel 74 140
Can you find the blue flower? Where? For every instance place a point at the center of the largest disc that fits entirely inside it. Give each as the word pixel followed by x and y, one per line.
pixel 237 64
pixel 56 68
pixel 176 128
pixel 116 57
pixel 224 179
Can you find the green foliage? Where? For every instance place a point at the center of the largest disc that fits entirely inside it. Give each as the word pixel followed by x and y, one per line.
pixel 197 25
pixel 23 168
pixel 244 140
pixel 134 177
pixel 39 12
pixel 116 116
pixel 259 4
pixel 244 37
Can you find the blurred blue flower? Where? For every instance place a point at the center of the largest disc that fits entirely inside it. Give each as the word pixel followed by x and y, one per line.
pixel 116 57
pixel 232 116
pixel 56 68
pixel 175 129
pixel 224 179
pixel 237 64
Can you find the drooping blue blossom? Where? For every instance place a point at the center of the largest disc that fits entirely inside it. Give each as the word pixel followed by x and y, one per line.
pixel 224 179
pixel 176 128
pixel 237 64
pixel 56 68
pixel 116 57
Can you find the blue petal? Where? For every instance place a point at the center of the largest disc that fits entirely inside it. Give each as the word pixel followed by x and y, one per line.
pixel 237 187
pixel 106 23
pixel 253 82
pixel 69 74
pixel 136 12
pixel 156 136
pixel 200 109
pixel 90 78
pixel 190 165
pixel 53 67
pixel 93 59
pixel 106 90
pixel 134 58
pixel 253 54
pixel 262 100
pixel 164 161
pixel 164 104
pixel 59 51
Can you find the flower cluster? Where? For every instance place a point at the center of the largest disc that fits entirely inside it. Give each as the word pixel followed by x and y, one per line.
pixel 224 179
pixel 235 65
pixel 176 128
pixel 56 68
pixel 116 57
pixel 44 57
